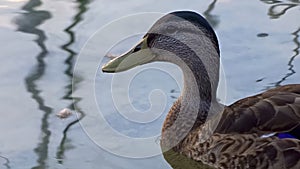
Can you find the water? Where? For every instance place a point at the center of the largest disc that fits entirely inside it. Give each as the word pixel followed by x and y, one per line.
pixel 40 43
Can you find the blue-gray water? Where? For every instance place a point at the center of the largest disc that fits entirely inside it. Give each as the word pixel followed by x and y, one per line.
pixel 41 40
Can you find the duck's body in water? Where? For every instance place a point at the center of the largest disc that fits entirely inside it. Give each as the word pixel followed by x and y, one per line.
pixel 198 131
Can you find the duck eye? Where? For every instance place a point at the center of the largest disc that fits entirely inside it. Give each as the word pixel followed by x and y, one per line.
pixel 171 29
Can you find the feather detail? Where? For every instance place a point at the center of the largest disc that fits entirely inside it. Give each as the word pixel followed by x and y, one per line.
pixel 246 133
pixel 274 111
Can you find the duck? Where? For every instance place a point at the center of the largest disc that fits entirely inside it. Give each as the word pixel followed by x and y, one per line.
pixel 258 132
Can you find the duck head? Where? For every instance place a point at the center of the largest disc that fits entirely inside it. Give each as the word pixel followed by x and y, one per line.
pixel 176 37
pixel 186 39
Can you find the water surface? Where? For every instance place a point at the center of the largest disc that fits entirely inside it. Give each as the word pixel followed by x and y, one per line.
pixel 40 43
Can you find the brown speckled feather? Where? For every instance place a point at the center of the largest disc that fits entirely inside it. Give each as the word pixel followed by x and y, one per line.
pixel 276 110
pixel 246 151
pixel 237 141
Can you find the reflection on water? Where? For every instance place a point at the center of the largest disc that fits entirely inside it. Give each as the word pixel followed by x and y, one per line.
pixel 276 10
pixel 290 63
pixel 82 8
pixel 33 17
pixel 28 23
pixel 213 19
pixel 5 163
pixel 279 8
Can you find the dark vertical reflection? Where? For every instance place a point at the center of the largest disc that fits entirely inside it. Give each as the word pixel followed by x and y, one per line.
pixel 28 23
pixel 279 8
pixel 276 10
pixel 290 63
pixel 213 19
pixel 6 163
pixel 82 8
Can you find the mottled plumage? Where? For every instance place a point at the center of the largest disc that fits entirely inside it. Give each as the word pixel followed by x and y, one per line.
pixel 237 141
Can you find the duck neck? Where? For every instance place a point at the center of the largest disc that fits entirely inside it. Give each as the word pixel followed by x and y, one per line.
pixel 200 86
pixel 199 61
pixel 196 101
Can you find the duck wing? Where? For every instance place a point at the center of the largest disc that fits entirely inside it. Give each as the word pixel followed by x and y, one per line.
pixel 274 111
pixel 233 151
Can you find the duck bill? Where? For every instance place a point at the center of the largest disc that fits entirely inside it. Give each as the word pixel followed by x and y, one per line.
pixel 138 55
